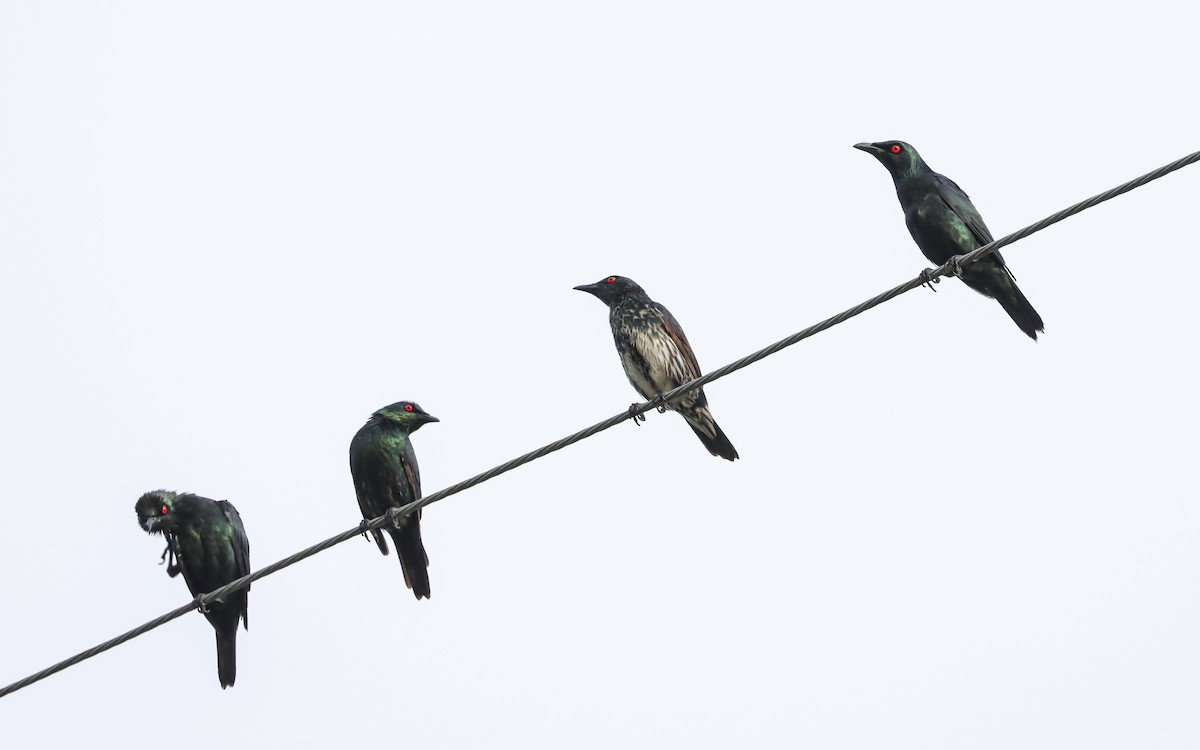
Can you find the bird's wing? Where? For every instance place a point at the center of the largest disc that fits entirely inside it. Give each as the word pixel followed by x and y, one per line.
pixel 679 341
pixel 960 203
pixel 241 550
pixel 240 542
pixel 412 474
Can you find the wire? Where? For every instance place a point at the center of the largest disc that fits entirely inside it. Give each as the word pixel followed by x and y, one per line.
pixel 201 601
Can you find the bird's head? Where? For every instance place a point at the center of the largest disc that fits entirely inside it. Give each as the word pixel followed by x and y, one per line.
pixel 405 415
pixel 900 158
pixel 157 512
pixel 611 289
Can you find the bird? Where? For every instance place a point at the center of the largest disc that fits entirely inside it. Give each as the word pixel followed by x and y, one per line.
pixel 944 223
pixel 207 542
pixel 384 467
pixel 657 357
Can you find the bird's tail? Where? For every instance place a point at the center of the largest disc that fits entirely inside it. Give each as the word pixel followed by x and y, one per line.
pixel 700 419
pixel 380 540
pixel 413 560
pixel 996 281
pixel 227 656
pixel 1019 309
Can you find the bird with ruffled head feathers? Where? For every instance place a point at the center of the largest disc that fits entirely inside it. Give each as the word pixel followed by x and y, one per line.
pixel 207 542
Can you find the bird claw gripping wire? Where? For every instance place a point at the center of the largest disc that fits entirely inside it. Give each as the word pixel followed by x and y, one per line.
pixel 659 403
pixel 955 264
pixel 635 416
pixel 590 431
pixel 201 606
pixel 362 529
pixel 396 519
pixel 928 279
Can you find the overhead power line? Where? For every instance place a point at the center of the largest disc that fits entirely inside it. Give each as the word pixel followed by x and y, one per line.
pixel 202 600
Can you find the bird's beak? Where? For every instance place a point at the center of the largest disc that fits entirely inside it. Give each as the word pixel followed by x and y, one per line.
pixel 870 148
pixel 429 418
pixel 150 524
pixel 589 288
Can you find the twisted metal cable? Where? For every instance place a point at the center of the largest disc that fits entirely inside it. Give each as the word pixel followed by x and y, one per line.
pixel 395 514
pixel 942 270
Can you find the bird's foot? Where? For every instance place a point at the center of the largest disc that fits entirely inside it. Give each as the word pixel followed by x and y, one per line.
pixel 168 557
pixel 928 279
pixel 362 529
pixel 635 416
pixel 201 606
pixel 660 403
pixel 395 517
pixel 955 264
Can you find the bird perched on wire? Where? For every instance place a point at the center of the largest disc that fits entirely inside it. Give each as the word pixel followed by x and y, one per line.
pixel 944 223
pixel 207 542
pixel 657 356
pixel 384 467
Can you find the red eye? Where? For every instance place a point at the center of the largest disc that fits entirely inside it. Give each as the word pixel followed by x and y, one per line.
pixel 895 148
pixel 611 279
pixel 163 510
pixel 408 407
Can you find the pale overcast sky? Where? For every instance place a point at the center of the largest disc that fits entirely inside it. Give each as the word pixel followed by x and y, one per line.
pixel 230 231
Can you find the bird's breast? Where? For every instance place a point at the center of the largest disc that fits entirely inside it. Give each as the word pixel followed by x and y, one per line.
pixel 937 230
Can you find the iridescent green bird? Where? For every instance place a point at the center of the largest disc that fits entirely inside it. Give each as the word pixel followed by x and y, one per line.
pixel 384 467
pixel 207 542
pixel 944 223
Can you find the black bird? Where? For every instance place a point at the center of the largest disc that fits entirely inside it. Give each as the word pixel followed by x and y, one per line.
pixel 384 467
pixel 944 223
pixel 657 357
pixel 207 543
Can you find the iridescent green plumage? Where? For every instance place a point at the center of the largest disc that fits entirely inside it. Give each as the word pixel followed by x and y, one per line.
pixel 944 223
pixel 384 467
pixel 207 542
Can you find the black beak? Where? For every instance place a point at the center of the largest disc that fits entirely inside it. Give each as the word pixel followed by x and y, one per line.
pixel 429 418
pixel 870 148
pixel 589 288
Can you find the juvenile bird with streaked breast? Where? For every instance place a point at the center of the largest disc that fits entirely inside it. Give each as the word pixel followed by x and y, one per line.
pixel 207 542
pixel 944 223
pixel 383 465
pixel 657 357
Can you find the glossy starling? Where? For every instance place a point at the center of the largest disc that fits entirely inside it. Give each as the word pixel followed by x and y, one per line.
pixel 384 467
pixel 944 223
pixel 657 357
pixel 207 543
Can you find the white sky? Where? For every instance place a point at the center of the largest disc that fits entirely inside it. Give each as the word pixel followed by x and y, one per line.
pixel 230 231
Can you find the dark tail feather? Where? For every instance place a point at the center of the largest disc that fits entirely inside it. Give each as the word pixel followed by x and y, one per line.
pixel 993 279
pixel 227 656
pixel 706 428
pixel 380 540
pixel 413 560
pixel 1019 309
